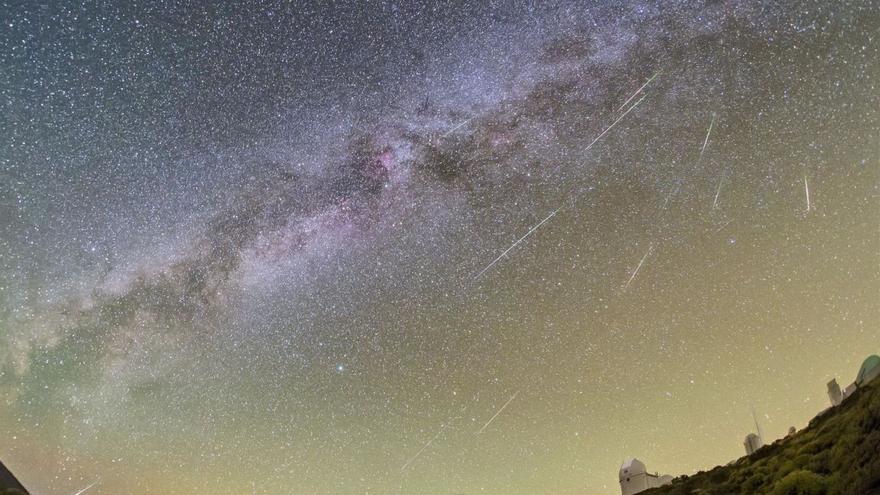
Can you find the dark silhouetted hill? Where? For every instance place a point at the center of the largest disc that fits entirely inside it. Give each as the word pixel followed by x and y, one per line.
pixel 9 485
pixel 838 453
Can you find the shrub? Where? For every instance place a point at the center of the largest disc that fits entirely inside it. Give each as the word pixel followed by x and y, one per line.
pixel 800 483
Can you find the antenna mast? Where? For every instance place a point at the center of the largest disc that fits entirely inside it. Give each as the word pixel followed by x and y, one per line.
pixel 757 426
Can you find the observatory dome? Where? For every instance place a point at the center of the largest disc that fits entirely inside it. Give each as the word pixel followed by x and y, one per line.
pixel 869 370
pixel 632 467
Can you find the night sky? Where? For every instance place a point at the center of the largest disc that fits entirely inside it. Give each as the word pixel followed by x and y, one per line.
pixel 427 247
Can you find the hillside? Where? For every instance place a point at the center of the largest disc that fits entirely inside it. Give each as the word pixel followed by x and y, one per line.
pixel 838 453
pixel 9 485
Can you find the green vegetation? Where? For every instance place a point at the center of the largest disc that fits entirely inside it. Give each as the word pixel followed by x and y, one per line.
pixel 837 454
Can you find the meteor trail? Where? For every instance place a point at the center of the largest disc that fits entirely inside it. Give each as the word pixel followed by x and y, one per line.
pixel 630 109
pixel 413 458
pixel 450 131
pixel 639 90
pixel 536 227
pixel 639 267
pixel 717 192
pixel 706 141
pixel 672 193
pixel 499 412
pixel 719 229
pixel 86 488
pixel 807 192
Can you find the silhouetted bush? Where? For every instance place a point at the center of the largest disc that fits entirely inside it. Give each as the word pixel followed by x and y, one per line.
pixel 800 483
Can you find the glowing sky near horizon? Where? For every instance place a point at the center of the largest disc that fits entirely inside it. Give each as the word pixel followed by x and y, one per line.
pixel 427 247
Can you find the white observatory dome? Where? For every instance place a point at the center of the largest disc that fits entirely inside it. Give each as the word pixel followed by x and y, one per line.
pixel 632 467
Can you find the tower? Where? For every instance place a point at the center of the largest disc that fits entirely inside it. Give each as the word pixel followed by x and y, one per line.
pixel 758 427
pixel 752 443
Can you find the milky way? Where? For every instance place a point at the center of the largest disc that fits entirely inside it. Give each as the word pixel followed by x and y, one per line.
pixel 426 248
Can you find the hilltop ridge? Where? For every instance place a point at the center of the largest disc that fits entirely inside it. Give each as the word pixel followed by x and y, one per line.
pixel 838 453
pixel 9 484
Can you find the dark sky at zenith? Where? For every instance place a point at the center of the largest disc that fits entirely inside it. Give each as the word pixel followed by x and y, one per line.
pixel 427 247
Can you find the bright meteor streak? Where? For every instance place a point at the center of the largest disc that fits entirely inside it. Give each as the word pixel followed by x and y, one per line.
pixel 450 131
pixel 533 229
pixel 639 90
pixel 807 192
pixel 86 488
pixel 706 141
pixel 717 192
pixel 630 109
pixel 551 215
pixel 413 458
pixel 499 412
pixel 639 267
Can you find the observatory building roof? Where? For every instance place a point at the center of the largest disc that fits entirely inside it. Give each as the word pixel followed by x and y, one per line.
pixel 632 467
pixel 869 370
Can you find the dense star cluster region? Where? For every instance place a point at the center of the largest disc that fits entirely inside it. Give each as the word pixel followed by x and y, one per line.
pixel 426 247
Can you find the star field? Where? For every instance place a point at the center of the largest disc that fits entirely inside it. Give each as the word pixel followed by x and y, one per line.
pixel 426 247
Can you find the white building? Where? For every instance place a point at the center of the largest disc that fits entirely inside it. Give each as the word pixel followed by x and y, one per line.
pixel 834 393
pixel 752 443
pixel 634 478
pixel 869 370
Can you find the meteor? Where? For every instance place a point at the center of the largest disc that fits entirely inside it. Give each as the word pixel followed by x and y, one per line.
pixel 499 412
pixel 719 229
pixel 630 109
pixel 413 458
pixel 639 90
pixel 639 267
pixel 672 193
pixel 807 192
pixel 706 141
pixel 551 215
pixel 717 192
pixel 515 244
pixel 86 488
pixel 450 131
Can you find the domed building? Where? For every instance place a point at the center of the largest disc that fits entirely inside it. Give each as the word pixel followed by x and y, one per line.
pixel 869 370
pixel 634 477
